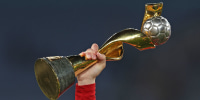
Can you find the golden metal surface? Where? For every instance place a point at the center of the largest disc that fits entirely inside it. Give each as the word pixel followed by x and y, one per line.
pixel 152 10
pixel 54 75
pixel 113 47
pixel 49 84
pixel 80 64
pixel 52 58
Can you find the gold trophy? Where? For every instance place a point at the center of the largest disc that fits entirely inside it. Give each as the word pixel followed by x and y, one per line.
pixel 57 73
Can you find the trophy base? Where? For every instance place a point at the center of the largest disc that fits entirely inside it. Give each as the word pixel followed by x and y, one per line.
pixel 54 75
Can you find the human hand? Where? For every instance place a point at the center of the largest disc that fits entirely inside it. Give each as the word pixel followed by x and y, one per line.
pixel 89 75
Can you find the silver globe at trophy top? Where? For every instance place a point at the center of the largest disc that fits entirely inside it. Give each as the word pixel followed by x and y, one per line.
pixel 56 74
pixel 158 29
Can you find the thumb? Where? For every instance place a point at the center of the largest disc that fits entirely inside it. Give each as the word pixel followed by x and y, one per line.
pixel 101 57
pixel 101 60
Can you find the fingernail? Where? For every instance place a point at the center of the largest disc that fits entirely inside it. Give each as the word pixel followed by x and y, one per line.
pixel 81 54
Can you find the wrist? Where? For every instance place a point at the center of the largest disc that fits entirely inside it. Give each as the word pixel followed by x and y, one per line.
pixel 86 82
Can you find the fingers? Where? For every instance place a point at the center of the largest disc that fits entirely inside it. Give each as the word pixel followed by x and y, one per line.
pixel 95 47
pixel 82 54
pixel 90 54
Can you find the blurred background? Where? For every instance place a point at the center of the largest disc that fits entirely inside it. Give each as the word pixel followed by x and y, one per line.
pixel 31 29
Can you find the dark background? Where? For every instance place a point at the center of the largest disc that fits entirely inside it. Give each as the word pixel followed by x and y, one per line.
pixel 31 29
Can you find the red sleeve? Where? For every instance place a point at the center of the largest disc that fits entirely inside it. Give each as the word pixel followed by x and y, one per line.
pixel 85 92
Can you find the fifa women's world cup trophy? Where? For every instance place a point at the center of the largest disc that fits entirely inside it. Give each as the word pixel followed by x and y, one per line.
pixel 57 73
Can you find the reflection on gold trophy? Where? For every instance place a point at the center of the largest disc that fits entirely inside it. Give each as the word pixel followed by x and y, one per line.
pixel 57 73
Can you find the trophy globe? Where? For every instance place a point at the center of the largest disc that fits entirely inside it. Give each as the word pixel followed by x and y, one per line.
pixel 158 29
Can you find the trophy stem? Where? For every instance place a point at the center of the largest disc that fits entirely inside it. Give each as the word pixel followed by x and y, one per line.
pixel 113 48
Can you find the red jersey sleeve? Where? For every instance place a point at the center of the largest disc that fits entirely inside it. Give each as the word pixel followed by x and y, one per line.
pixel 85 92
